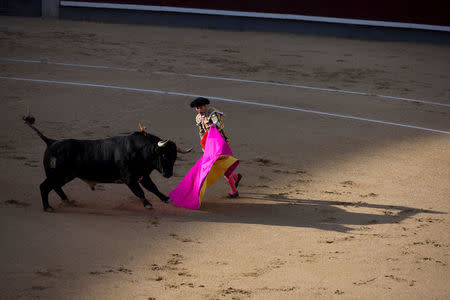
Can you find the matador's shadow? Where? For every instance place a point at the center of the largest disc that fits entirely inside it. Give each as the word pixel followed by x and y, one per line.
pixel 320 214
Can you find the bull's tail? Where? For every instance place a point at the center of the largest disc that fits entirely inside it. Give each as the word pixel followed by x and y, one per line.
pixel 29 120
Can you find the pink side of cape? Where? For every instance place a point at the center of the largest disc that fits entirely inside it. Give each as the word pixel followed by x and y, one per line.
pixel 186 194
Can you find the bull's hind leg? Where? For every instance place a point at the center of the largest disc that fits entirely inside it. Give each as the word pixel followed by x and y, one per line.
pixel 53 183
pixel 61 194
pixel 46 187
pixel 136 189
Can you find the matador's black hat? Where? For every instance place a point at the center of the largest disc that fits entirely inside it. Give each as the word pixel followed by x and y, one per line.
pixel 200 101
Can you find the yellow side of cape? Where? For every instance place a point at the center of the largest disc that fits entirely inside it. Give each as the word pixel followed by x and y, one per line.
pixel 221 165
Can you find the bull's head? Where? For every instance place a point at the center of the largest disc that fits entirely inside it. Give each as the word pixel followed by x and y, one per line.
pixel 167 154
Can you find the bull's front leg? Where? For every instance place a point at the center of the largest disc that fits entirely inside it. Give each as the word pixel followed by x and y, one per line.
pixel 136 189
pixel 151 187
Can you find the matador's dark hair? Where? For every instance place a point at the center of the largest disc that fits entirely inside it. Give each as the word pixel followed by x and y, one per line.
pixel 200 101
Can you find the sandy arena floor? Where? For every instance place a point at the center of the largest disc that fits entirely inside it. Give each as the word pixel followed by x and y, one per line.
pixel 345 195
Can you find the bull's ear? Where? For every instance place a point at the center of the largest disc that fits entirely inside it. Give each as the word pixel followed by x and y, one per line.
pixel 162 143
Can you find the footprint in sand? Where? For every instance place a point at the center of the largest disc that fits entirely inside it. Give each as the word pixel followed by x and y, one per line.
pixel 70 203
pixel 176 259
pixel 171 264
pixel 348 183
pixel 32 163
pixel 430 259
pixel 330 241
pixel 332 192
pixel 184 274
pixel 260 186
pixel 153 221
pixel 264 161
pixel 88 132
pixel 233 291
pixel 281 171
pixel 184 240
pixel 272 265
pixel 372 195
pixel 44 272
pixel 431 243
pixel 364 282
pixel 39 288
pixel 399 279
pixel 17 157
pixel 304 180
pixel 308 258
pixel 12 202
pixel 117 270
pixel 6 148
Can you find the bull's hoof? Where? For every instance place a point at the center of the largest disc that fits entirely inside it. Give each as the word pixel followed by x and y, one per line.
pixel 148 206
pixel 49 209
pixel 166 200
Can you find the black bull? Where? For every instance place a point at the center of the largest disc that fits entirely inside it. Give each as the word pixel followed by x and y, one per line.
pixel 127 158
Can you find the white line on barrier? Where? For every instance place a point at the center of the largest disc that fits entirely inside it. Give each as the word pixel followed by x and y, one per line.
pixel 235 80
pixel 227 100
pixel 252 14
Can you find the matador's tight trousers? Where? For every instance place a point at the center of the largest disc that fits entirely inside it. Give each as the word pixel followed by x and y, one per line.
pixel 232 182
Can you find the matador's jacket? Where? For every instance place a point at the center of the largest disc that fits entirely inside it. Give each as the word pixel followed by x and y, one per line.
pixel 211 116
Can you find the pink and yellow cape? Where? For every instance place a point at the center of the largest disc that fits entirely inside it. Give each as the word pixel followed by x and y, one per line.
pixel 216 161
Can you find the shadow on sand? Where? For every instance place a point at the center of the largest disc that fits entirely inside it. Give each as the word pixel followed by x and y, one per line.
pixel 271 210
pixel 320 214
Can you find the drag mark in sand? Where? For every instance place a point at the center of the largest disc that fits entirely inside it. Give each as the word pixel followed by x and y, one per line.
pixel 228 100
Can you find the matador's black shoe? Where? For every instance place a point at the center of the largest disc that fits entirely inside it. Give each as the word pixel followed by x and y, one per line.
pixel 235 195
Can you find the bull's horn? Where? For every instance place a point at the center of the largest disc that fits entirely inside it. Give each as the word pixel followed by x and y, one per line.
pixel 162 143
pixel 184 151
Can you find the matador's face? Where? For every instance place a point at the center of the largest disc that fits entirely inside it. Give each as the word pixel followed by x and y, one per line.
pixel 201 109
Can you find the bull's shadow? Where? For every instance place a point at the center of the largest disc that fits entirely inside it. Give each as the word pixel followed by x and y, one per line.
pixel 320 214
